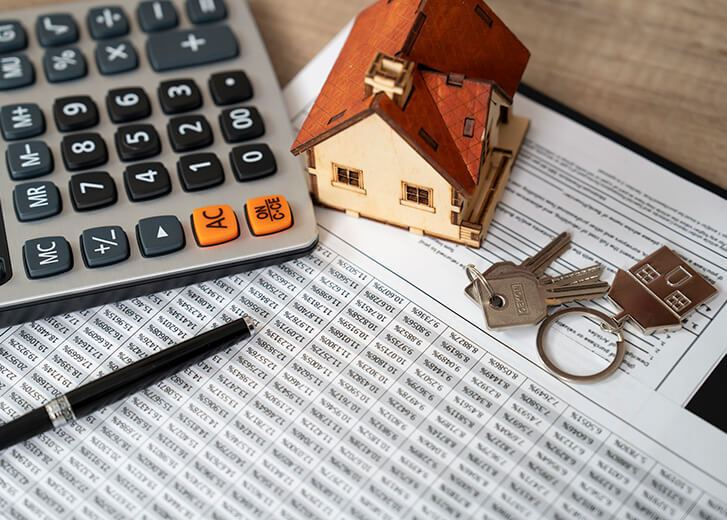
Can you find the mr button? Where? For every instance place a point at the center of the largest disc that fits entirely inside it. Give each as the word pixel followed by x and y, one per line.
pixel 268 215
pixel 214 225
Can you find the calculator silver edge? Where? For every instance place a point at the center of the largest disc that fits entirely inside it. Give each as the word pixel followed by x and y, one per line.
pixel 22 299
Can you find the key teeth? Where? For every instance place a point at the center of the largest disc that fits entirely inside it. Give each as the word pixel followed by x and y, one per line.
pixel 547 255
pixel 581 276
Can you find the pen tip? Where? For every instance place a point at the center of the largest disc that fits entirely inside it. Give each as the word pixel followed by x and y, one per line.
pixel 249 322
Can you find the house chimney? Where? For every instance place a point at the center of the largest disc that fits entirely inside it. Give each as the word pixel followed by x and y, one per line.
pixel 392 76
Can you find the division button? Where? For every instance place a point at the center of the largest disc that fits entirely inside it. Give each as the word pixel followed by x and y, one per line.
pixel 115 57
pixel 104 246
pixel 188 133
pixel 127 104
pixel 213 225
pixel 189 48
pixel 146 181
pixel 230 87
pixel 134 142
pixel 16 71
pixel 92 190
pixel 64 64
pixel 56 29
pixel 158 236
pixel 200 171
pixel 28 160
pixel 75 113
pixel 179 95
pixel 12 38
pixel 206 11
pixel 241 124
pixel 36 201
pixel 47 256
pixel 252 161
pixel 21 121
pixel 107 22
pixel 268 215
pixel 157 15
pixel 83 151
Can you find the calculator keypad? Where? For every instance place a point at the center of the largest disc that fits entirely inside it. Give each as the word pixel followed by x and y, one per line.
pixel 115 57
pixel 92 190
pixel 241 124
pixel 252 161
pixel 215 225
pixel 206 11
pixel 56 29
pixel 12 36
pixel 157 15
pixel 75 113
pixel 16 71
pixel 159 236
pixel 20 121
pixel 268 215
pixel 179 95
pixel 104 246
pixel 83 151
pixel 188 48
pixel 107 22
pixel 200 171
pixel 47 256
pixel 187 133
pixel 146 181
pixel 36 201
pixel 230 87
pixel 64 64
pixel 28 160
pixel 135 142
pixel 128 104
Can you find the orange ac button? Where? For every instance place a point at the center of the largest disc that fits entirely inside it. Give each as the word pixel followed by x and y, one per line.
pixel 213 225
pixel 268 215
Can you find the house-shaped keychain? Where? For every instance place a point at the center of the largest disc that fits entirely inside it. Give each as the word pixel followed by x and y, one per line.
pixel 414 126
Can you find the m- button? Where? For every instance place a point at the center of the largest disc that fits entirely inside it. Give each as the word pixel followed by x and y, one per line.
pixel 213 225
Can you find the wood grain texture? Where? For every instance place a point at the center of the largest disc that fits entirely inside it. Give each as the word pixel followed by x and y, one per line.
pixel 655 71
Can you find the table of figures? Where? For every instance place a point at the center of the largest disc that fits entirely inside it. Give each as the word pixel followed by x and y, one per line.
pixel 349 400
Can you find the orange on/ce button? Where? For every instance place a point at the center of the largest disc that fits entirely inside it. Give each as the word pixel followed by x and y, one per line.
pixel 268 215
pixel 213 225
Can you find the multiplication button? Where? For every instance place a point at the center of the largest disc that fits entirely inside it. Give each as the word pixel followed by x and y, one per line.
pixel 104 246
pixel 115 57
pixel 36 201
pixel 160 236
pixel 28 160
pixel 47 256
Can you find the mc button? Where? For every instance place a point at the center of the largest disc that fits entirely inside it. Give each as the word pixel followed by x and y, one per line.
pixel 214 225
pixel 268 215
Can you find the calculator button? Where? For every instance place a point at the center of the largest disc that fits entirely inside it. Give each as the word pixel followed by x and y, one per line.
pixel 252 161
pixel 206 11
pixel 104 246
pixel 21 121
pixel 127 104
pixel 64 64
pixel 189 133
pixel 47 256
pixel 107 22
pixel 12 36
pixel 179 95
pixel 36 201
pixel 188 48
pixel 92 190
pixel 116 57
pixel 157 15
pixel 16 71
pixel 268 215
pixel 241 124
pixel 160 236
pixel 146 181
pixel 75 113
pixel 214 225
pixel 56 29
pixel 82 151
pixel 200 171
pixel 230 87
pixel 134 142
pixel 28 160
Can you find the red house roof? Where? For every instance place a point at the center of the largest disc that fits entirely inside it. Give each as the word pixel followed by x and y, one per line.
pixel 448 39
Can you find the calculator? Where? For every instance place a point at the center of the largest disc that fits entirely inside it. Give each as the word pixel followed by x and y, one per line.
pixel 146 148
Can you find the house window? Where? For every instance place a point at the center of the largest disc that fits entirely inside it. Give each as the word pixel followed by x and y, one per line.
pixel 311 156
pixel 678 301
pixel 350 178
pixel 456 198
pixel 647 274
pixel 418 195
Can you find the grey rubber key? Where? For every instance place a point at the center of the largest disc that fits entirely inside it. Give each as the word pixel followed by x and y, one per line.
pixel 189 48
pixel 206 11
pixel 21 121
pixel 104 246
pixel 107 22
pixel 56 29
pixel 12 36
pixel 114 57
pixel 157 15
pixel 47 256
pixel 16 71
pixel 160 235
pixel 28 160
pixel 64 64
pixel 36 201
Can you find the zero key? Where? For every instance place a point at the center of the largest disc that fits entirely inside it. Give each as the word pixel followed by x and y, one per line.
pixel 214 225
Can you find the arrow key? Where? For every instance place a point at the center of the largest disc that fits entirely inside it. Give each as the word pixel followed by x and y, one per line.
pixel 92 190
pixel 160 236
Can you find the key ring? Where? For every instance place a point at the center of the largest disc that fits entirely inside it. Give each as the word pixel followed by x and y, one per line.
pixel 607 323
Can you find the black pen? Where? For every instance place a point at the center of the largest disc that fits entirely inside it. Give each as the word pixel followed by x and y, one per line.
pixel 123 382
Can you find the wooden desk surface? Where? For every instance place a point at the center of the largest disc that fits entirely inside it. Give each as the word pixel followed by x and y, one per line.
pixel 655 71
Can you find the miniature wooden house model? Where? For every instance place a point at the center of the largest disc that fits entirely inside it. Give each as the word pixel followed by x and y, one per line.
pixel 413 126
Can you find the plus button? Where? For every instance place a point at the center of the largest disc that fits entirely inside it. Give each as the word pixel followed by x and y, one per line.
pixel 193 43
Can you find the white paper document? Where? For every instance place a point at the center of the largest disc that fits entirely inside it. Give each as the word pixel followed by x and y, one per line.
pixel 370 388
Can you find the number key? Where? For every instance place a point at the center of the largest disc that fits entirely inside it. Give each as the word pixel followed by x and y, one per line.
pixel 179 95
pixel 200 171
pixel 75 113
pixel 92 190
pixel 81 151
pixel 189 133
pixel 241 124
pixel 134 142
pixel 252 161
pixel 127 104
pixel 146 181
